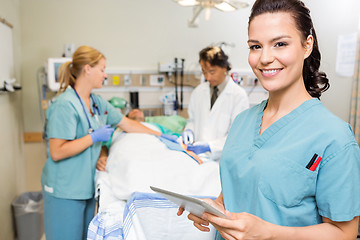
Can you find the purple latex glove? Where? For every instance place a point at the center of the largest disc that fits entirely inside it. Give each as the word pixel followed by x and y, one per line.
pixel 199 147
pixel 102 134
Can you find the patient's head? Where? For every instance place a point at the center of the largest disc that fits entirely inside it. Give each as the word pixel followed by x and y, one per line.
pixel 137 115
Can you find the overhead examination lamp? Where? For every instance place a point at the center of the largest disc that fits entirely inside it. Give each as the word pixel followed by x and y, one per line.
pixel 199 5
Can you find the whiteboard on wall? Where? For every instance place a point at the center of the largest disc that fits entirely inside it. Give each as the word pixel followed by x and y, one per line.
pixel 6 54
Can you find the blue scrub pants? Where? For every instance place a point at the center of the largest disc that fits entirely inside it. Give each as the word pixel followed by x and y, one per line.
pixel 67 218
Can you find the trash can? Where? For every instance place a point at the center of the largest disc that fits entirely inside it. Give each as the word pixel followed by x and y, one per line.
pixel 28 216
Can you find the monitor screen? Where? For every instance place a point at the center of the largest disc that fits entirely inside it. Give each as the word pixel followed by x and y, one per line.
pixel 53 65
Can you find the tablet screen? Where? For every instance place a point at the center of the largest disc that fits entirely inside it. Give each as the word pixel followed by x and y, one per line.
pixel 194 205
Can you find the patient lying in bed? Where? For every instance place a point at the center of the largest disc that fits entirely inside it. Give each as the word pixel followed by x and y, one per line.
pixel 135 162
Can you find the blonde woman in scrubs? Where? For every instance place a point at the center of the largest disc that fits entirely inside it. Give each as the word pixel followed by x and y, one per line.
pixel 290 169
pixel 77 123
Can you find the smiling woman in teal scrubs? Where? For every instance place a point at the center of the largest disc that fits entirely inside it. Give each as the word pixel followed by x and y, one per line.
pixel 290 169
pixel 77 123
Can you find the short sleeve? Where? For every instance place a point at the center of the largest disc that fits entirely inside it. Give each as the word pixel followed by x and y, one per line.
pixel 62 121
pixel 338 187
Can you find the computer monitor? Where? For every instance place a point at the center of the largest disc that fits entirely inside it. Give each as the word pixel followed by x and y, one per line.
pixel 53 65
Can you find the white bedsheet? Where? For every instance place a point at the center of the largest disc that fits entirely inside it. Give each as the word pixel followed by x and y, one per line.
pixel 130 210
pixel 137 161
pixel 146 216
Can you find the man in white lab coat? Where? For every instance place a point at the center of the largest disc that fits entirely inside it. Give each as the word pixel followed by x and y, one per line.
pixel 213 105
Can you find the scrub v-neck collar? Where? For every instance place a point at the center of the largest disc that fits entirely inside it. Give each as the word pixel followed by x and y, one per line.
pixel 259 140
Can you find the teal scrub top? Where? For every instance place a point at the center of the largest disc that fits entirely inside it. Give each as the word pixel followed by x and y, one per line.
pixel 266 174
pixel 73 177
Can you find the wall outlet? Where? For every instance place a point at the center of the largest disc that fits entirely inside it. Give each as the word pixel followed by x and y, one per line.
pixel 127 80
pixel 142 80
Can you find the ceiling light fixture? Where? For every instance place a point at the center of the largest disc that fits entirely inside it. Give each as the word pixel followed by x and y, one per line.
pixel 199 5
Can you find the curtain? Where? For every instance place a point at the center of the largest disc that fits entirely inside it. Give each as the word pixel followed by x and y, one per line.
pixel 355 98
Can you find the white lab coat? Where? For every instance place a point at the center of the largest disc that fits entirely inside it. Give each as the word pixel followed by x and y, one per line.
pixel 212 126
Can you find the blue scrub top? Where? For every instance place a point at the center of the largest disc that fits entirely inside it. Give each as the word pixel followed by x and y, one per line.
pixel 266 174
pixel 73 177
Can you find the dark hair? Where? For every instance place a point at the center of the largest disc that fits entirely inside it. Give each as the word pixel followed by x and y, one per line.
pixel 315 81
pixel 69 71
pixel 215 56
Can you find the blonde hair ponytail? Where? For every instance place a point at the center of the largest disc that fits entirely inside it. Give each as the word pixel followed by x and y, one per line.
pixel 69 71
pixel 65 77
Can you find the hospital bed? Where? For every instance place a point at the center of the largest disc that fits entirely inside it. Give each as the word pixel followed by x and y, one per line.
pixel 129 209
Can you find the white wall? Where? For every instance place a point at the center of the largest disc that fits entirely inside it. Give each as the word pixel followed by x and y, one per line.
pixel 12 165
pixel 331 19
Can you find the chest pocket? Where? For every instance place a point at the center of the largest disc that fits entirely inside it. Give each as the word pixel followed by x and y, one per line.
pixel 286 183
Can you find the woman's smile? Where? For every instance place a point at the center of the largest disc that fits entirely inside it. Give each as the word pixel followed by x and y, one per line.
pixel 270 72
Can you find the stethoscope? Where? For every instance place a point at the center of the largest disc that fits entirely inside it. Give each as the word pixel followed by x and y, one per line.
pixel 95 109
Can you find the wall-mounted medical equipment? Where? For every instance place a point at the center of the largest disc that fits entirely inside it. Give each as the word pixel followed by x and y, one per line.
pixel 48 83
pixel 157 80
pixel 199 5
pixel 151 85
pixel 134 99
pixel 166 67
pixel 52 70
pixel 173 71
pixel 169 102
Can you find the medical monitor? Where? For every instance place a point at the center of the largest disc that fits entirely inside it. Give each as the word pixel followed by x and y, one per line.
pixel 53 65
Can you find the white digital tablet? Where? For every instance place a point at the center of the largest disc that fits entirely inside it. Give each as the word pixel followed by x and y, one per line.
pixel 194 205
